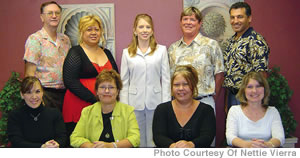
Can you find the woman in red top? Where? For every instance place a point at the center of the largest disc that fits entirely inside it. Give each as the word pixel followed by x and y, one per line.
pixel 81 66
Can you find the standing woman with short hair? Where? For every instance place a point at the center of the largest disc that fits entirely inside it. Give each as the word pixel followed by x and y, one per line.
pixel 145 74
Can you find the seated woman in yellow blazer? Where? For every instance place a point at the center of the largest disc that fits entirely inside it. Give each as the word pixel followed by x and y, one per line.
pixel 108 123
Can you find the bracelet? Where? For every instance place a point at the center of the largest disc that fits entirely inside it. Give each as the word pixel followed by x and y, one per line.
pixel 115 145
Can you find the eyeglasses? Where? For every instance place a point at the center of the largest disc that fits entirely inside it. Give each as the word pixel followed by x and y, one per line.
pixel 49 14
pixel 109 88
pixel 178 85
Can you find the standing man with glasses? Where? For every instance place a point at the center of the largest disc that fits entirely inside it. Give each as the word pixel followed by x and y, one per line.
pixel 246 51
pixel 45 52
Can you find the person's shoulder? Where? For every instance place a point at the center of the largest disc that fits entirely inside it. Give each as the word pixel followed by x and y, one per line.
pixel 125 53
pixel 254 35
pixel 124 106
pixel 106 50
pixel 176 43
pixel 209 40
pixel 272 109
pixel 160 46
pixel 36 35
pixel 205 106
pixel 92 106
pixel 88 110
pixel 235 109
pixel 52 112
pixel 164 106
pixel 64 38
pixel 75 49
pixel 125 50
pixel 18 111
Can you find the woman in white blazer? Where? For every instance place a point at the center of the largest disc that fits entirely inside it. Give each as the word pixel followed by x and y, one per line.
pixel 145 74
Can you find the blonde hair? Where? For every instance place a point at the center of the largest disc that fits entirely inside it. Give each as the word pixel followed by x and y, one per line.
pixel 87 21
pixel 132 48
pixel 190 75
pixel 190 11
pixel 258 76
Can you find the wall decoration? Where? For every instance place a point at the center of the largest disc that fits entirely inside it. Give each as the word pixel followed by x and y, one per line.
pixel 215 23
pixel 73 12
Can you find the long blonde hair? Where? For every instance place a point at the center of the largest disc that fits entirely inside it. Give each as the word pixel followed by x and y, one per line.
pixel 132 48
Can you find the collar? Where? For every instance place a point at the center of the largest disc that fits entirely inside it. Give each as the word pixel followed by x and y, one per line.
pixel 46 36
pixel 116 111
pixel 33 111
pixel 139 52
pixel 195 40
pixel 246 34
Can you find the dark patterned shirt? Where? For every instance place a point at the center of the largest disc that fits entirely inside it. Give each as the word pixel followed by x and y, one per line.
pixel 248 53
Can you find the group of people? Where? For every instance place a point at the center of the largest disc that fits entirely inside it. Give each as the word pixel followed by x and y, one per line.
pixel 161 97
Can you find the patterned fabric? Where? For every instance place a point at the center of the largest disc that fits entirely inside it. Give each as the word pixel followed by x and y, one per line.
pixel 248 53
pixel 205 55
pixel 48 56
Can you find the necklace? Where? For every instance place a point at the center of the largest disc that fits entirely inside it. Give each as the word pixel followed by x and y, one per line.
pixel 35 118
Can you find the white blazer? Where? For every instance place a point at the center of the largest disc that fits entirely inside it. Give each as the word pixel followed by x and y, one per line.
pixel 146 78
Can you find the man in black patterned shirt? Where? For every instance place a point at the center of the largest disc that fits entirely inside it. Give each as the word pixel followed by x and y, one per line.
pixel 246 51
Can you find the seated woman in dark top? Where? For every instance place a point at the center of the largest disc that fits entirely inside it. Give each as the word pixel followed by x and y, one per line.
pixel 184 122
pixel 108 123
pixel 34 125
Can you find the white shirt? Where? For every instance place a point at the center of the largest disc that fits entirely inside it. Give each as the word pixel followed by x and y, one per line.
pixel 146 78
pixel 239 125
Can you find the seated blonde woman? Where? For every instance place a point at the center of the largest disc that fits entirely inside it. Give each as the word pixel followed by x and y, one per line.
pixel 108 123
pixel 254 124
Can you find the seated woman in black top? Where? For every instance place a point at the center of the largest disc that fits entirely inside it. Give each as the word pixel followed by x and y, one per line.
pixel 34 125
pixel 184 122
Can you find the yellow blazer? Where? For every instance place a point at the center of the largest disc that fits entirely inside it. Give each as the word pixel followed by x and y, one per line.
pixel 90 126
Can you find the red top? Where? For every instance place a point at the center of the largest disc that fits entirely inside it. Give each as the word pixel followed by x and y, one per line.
pixel 73 104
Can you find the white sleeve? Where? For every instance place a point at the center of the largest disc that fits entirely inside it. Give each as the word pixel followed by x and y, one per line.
pixel 232 124
pixel 125 78
pixel 165 79
pixel 277 128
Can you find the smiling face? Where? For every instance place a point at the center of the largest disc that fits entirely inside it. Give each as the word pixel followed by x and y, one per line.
pixel 239 21
pixel 107 92
pixel 91 36
pixel 143 30
pixel 181 89
pixel 33 97
pixel 254 92
pixel 190 26
pixel 51 15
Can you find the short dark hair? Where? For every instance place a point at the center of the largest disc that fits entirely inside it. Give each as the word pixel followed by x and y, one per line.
pixel 241 5
pixel 27 84
pixel 48 3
